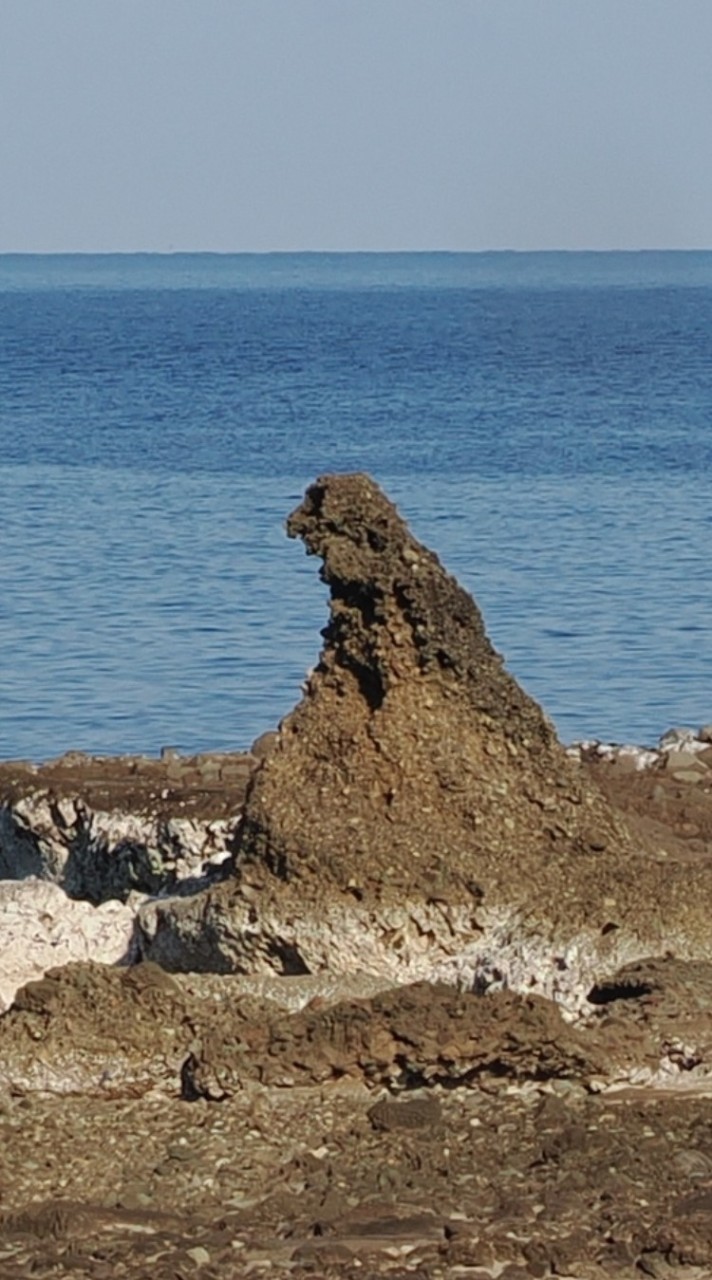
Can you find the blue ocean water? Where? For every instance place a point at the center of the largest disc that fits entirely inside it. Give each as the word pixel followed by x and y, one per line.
pixel 543 420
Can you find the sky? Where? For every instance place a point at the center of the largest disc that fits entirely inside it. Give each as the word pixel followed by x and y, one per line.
pixel 263 125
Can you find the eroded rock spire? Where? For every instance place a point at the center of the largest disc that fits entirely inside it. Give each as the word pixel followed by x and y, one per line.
pixel 396 612
pixel 413 753
pixel 416 816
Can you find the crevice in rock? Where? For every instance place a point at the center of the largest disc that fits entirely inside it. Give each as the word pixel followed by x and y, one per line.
pixel 610 992
pixel 289 958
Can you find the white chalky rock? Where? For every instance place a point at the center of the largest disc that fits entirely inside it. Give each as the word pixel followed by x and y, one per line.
pixel 41 928
pixel 101 856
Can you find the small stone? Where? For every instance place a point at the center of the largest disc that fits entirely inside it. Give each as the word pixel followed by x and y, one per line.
pixel 210 770
pixel 625 763
pixel 691 776
pixel 678 762
pixel 179 1151
pixel 198 1255
pixel 137 1195
pixel 596 840
pixel 421 1113
pixel 677 735
pixel 705 733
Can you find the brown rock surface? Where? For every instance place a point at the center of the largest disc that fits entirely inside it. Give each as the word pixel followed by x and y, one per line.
pixel 414 757
pixel 277 1157
pixel 416 812
pixel 301 1182
pixel 92 1029
pixel 211 785
pixel 665 815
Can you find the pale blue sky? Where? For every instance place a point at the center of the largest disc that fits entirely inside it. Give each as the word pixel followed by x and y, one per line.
pixel 239 125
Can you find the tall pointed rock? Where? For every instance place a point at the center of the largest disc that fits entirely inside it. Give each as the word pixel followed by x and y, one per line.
pixel 413 757
pixel 416 816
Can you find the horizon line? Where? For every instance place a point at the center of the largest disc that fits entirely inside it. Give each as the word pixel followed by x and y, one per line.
pixel 302 253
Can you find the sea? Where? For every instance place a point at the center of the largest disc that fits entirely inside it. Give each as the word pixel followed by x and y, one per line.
pixel 543 421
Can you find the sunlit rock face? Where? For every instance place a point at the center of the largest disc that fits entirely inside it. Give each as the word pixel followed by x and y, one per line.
pixel 416 815
pixel 414 758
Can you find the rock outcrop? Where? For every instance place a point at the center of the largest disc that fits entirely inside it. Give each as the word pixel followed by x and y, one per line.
pixel 416 815
pixel 85 839
pixel 89 1029
pixel 104 829
pixel 414 818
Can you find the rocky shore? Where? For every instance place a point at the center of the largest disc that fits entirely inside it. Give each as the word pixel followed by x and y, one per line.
pixel 407 989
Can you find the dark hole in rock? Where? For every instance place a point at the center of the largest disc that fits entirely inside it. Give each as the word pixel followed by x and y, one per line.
pixel 290 959
pixel 609 992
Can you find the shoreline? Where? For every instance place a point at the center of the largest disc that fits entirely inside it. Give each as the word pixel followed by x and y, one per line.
pixel 117 832
pixel 410 989
pixel 477 1162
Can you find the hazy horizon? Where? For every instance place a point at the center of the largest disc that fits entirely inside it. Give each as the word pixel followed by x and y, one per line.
pixel 336 253
pixel 367 126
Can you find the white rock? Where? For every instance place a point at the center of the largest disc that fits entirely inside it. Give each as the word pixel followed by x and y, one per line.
pixel 40 928
pixel 690 747
pixel 673 737
pixel 100 856
pixel 641 757
pixel 636 757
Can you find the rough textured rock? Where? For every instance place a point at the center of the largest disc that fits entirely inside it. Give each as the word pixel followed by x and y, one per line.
pixel 87 1028
pixel 230 1124
pixel 301 1183
pixel 105 828
pixel 648 1024
pixel 91 1029
pixel 40 927
pixel 404 1039
pixel 414 755
pixel 656 1017
pixel 416 812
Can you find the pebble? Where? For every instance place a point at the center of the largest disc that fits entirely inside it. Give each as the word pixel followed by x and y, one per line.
pixel 198 1255
pixel 676 735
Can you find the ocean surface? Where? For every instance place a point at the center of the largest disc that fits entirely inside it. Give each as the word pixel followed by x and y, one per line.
pixel 544 421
